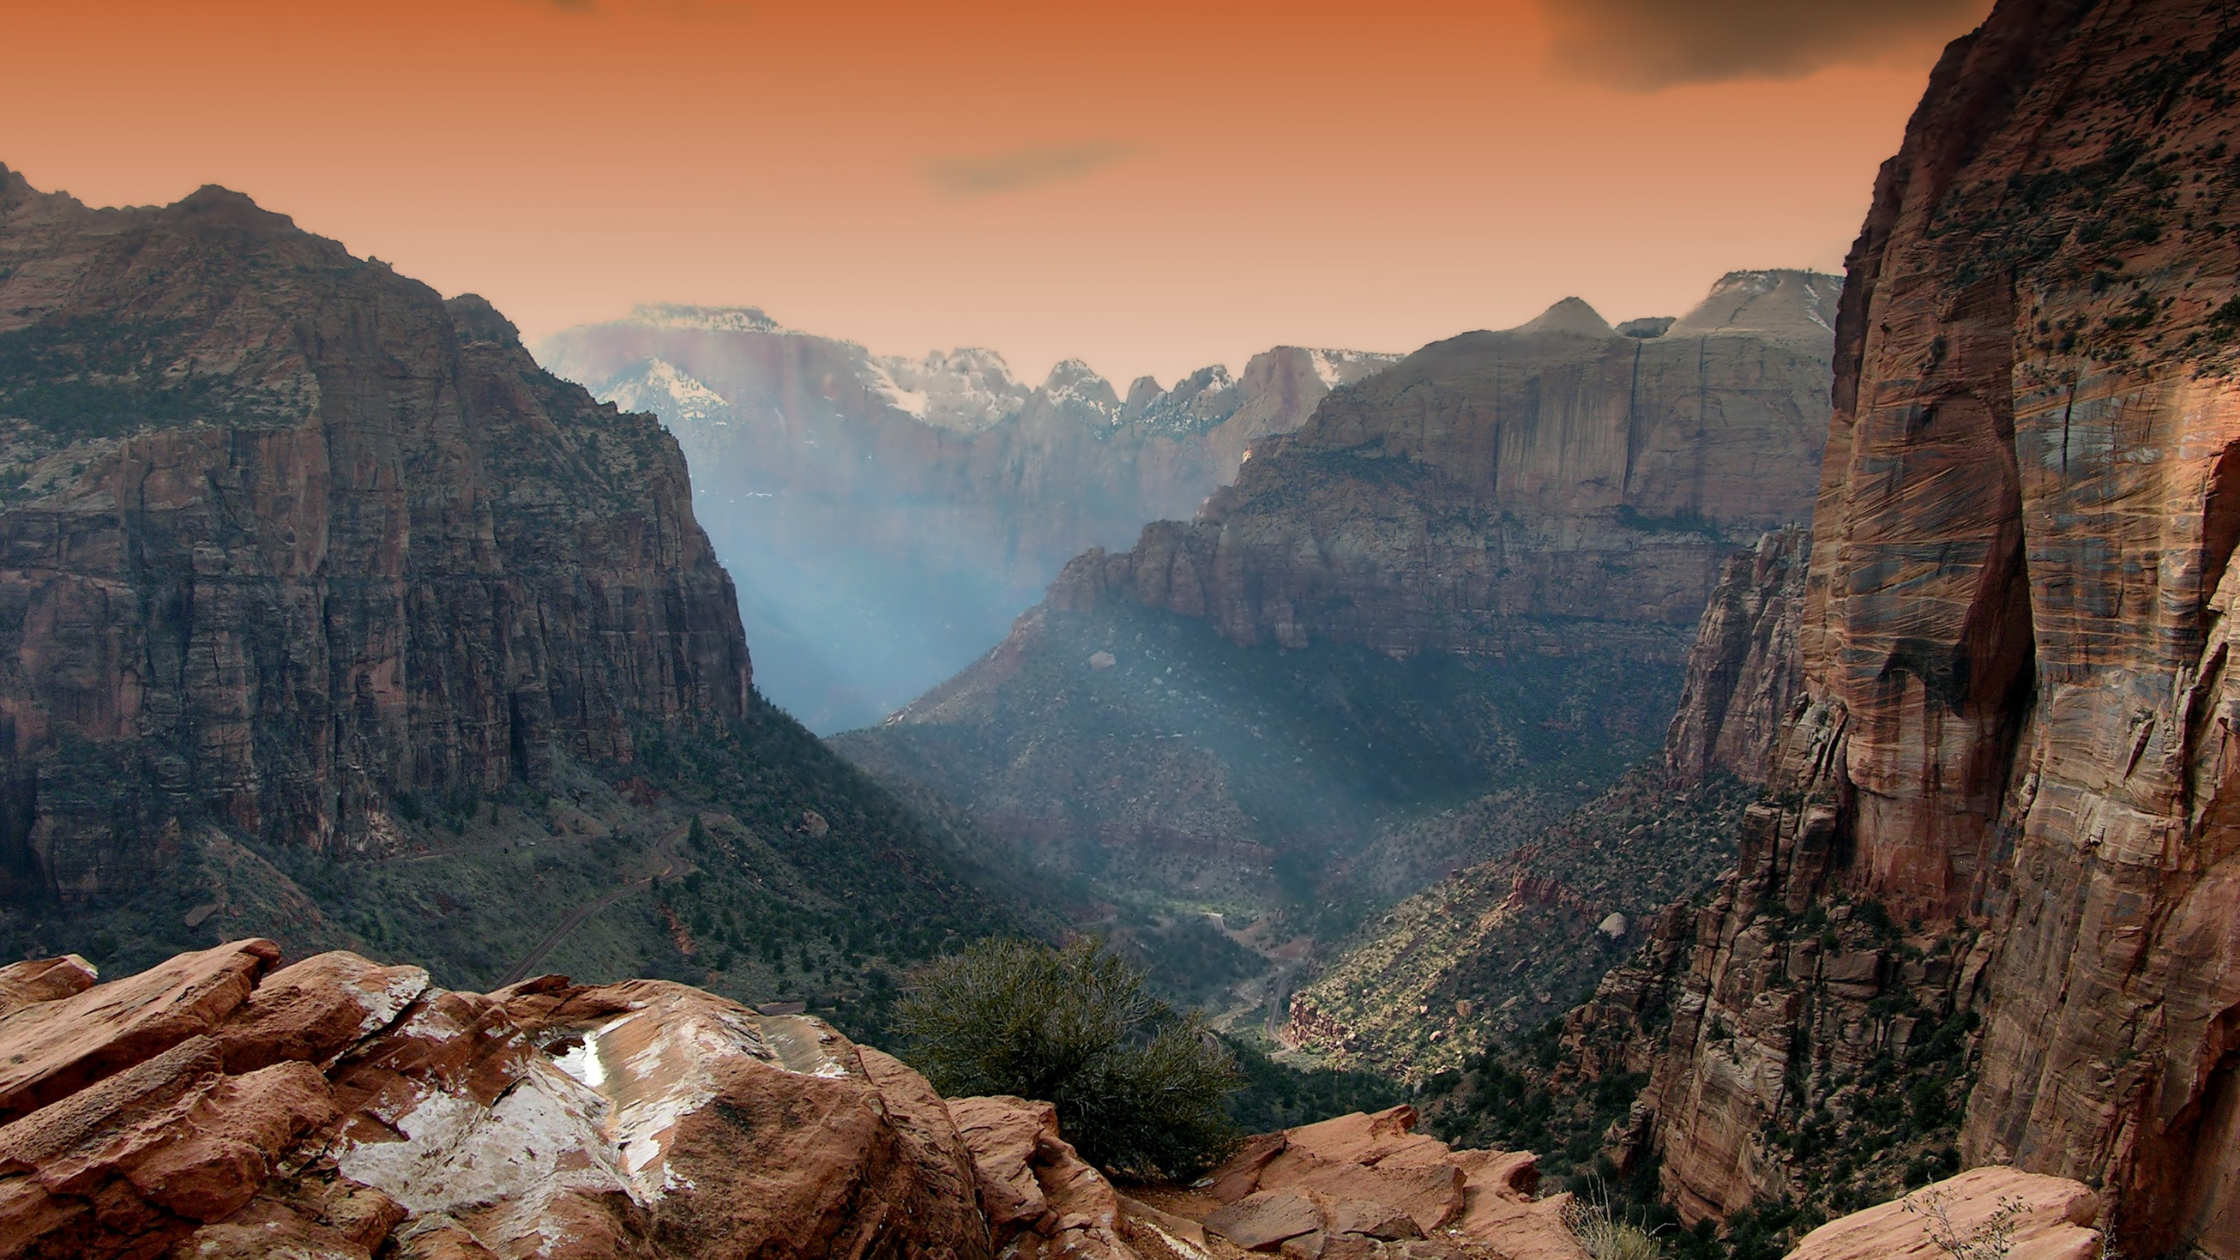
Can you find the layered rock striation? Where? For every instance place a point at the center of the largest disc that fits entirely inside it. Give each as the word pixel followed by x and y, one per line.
pixel 288 535
pixel 1744 678
pixel 327 616
pixel 2014 755
pixel 1496 482
pixel 888 517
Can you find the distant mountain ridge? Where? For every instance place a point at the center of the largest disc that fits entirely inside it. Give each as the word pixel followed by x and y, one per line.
pixel 887 516
pixel 1478 572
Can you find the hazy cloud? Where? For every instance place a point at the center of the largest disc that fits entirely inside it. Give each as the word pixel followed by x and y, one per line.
pixel 1650 44
pixel 1022 168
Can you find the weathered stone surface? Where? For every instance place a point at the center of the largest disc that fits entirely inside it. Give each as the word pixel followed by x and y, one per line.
pixel 1371 1178
pixel 346 1109
pixel 51 1049
pixel 43 980
pixel 315 1009
pixel 328 538
pixel 1264 1218
pixel 2051 1221
pixel 2014 645
pixel 1039 1196
pixel 150 1152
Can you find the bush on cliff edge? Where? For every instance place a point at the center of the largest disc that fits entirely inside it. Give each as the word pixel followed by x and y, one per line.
pixel 1140 1088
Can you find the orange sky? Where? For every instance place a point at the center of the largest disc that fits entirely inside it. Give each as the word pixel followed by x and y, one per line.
pixel 1151 187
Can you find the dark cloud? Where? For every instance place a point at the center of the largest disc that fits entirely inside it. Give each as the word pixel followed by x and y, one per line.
pixel 1650 44
pixel 1022 168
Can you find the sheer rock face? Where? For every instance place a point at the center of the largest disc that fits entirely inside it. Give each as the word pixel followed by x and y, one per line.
pixel 287 534
pixel 1744 678
pixel 1556 470
pixel 2015 635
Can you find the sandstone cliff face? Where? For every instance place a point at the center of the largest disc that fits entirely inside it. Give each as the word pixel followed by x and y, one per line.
pixel 1556 470
pixel 886 518
pixel 2014 642
pixel 289 535
pixel 1744 676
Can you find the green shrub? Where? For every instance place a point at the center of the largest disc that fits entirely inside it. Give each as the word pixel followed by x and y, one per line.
pixel 1140 1089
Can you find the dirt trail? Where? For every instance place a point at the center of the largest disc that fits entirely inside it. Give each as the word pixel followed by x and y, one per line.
pixel 665 848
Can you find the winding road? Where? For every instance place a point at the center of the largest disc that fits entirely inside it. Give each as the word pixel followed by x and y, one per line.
pixel 664 848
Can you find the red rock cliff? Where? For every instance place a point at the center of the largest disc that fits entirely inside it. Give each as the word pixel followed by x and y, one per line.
pixel 286 534
pixel 1557 470
pixel 2015 641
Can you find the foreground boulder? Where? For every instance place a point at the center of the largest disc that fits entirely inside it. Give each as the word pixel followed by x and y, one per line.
pixel 222 1107
pixel 2049 1219
pixel 335 1107
pixel 1363 1186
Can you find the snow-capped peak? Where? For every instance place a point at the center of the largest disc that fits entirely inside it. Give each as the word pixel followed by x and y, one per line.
pixel 665 389
pixel 966 389
pixel 1075 387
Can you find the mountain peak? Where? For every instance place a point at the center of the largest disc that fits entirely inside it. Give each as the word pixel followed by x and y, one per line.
pixel 477 320
pixel 1780 304
pixel 1571 315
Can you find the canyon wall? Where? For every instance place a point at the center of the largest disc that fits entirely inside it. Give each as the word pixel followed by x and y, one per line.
pixel 286 535
pixel 1475 572
pixel 1495 483
pixel 2015 757
pixel 886 517
pixel 1501 948
pixel 1744 676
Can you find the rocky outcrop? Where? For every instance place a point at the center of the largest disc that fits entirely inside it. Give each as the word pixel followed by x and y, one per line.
pixel 217 1107
pixel 2035 1217
pixel 2014 750
pixel 1362 1186
pixel 221 1105
pixel 886 517
pixel 287 536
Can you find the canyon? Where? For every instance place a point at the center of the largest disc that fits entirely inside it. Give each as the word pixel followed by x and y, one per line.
pixel 886 517
pixel 1502 729
pixel 326 613
pixel 1476 572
